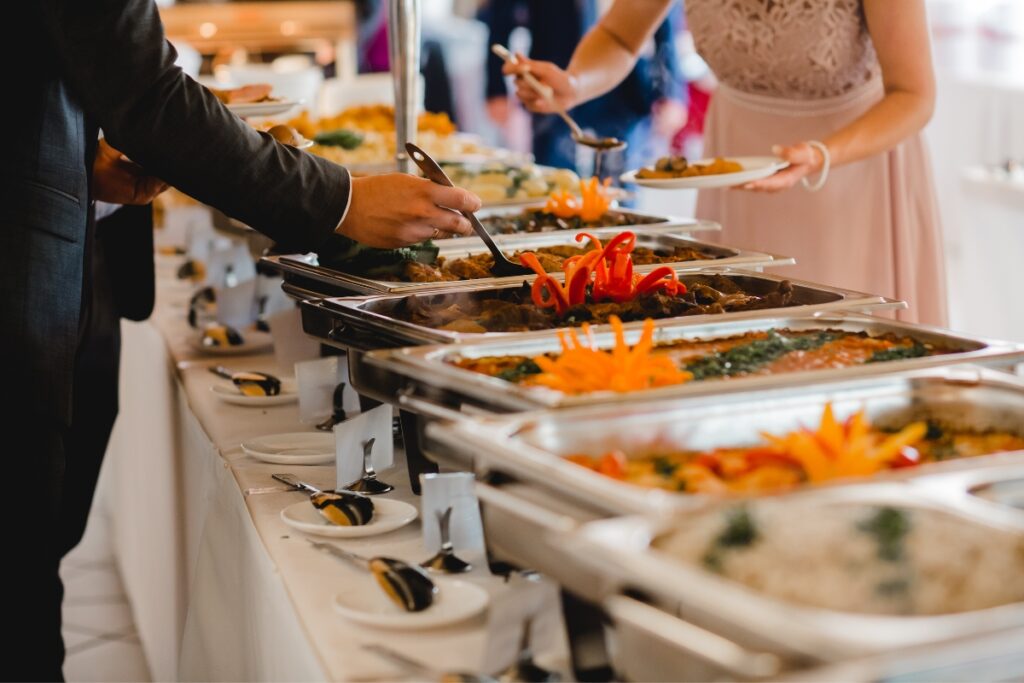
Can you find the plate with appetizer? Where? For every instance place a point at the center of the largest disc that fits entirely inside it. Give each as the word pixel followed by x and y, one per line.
pixel 254 99
pixel 388 515
pixel 224 340
pixel 678 173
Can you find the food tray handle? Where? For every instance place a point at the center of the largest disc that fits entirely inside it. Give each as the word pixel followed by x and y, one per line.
pixel 516 506
pixel 691 639
pixel 409 401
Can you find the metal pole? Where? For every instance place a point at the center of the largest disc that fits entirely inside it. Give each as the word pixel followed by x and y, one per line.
pixel 404 51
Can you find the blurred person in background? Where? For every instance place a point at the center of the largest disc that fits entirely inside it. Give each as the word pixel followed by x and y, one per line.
pixel 106 64
pixel 647 108
pixel 840 89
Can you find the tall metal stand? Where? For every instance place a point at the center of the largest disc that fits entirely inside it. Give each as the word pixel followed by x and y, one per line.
pixel 404 19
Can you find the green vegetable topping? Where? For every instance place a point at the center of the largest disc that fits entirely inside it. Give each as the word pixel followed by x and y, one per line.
pixel 665 467
pixel 527 367
pixel 748 357
pixel 915 350
pixel 342 253
pixel 889 527
pixel 344 138
pixel 739 532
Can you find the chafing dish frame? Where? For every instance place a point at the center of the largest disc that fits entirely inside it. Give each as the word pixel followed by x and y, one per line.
pixel 428 368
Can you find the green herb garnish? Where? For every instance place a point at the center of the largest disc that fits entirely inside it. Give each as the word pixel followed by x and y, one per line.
pixel 517 373
pixel 739 532
pixel 665 467
pixel 746 358
pixel 915 350
pixel 888 527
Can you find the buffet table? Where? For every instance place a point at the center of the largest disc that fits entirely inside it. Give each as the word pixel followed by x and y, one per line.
pixel 220 587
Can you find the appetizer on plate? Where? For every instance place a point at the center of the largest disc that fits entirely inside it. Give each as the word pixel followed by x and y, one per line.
pixel 834 450
pixel 246 94
pixel 679 167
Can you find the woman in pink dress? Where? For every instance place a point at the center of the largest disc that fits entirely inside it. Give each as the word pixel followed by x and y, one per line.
pixel 835 87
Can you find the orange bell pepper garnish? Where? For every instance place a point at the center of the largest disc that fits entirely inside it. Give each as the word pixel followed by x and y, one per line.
pixel 592 202
pixel 582 368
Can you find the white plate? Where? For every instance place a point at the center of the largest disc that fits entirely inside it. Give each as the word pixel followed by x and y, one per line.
pixel 255 342
pixel 388 515
pixel 263 108
pixel 229 393
pixel 297 448
pixel 456 601
pixel 754 168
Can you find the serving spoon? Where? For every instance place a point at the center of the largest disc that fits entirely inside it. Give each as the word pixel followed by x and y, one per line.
pixel 433 171
pixel 407 586
pixel 250 383
pixel 599 144
pixel 342 508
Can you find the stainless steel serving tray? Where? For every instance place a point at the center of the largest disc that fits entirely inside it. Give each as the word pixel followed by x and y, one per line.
pixel 366 323
pixel 430 371
pixel 623 551
pixel 531 446
pixel 304 270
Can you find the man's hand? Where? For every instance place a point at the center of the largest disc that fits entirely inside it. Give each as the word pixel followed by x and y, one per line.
pixel 396 210
pixel 119 181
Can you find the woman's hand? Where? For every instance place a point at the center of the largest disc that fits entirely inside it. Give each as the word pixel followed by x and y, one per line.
pixel 396 210
pixel 562 84
pixel 804 160
pixel 119 181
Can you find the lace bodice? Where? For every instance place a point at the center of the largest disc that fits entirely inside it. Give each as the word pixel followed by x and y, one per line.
pixel 801 49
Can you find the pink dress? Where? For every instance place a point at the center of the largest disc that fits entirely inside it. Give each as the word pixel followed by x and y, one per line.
pixel 793 70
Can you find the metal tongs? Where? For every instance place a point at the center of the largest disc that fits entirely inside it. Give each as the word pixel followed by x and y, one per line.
pixel 433 171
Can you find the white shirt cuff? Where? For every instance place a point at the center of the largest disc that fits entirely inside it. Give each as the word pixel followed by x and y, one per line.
pixel 347 203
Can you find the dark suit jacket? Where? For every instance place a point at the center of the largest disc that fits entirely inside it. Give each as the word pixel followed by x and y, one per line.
pixel 84 64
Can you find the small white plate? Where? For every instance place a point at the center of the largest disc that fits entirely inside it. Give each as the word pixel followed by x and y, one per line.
pixel 229 393
pixel 388 515
pixel 754 168
pixel 455 601
pixel 263 108
pixel 296 448
pixel 254 342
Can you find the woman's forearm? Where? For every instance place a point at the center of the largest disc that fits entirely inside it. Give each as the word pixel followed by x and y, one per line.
pixel 610 49
pixel 895 118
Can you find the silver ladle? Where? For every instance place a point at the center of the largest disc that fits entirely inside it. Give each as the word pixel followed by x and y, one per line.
pixel 423 673
pixel 343 508
pixel 406 585
pixel 600 145
pixel 445 560
pixel 369 485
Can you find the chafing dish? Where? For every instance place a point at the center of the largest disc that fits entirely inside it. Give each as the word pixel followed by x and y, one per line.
pixel 303 273
pixel 697 621
pixel 430 371
pixel 530 446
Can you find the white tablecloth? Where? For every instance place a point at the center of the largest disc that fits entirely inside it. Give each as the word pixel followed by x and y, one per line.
pixel 221 588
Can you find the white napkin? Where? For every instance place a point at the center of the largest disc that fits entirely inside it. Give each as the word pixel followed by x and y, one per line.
pixel 454 489
pixel 291 344
pixel 236 306
pixel 229 257
pixel 349 437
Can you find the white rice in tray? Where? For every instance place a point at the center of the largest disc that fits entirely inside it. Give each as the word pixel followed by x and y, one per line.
pixel 857 557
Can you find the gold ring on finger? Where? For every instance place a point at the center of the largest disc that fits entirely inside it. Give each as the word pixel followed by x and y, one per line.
pixel 437 232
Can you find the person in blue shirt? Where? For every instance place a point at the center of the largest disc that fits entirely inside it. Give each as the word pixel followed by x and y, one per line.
pixel 646 109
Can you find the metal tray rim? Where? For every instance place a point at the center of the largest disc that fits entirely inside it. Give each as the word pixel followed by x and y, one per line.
pixel 427 363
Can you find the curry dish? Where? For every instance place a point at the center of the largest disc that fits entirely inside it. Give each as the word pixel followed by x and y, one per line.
pixel 478 266
pixel 769 352
pixel 679 167
pixel 512 309
pixel 538 220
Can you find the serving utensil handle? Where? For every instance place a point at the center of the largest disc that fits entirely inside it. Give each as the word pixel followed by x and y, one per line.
pixel 340 554
pixel 543 90
pixel 709 647
pixel 295 483
pixel 222 371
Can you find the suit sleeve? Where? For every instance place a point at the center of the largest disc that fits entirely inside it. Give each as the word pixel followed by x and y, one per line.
pixel 117 62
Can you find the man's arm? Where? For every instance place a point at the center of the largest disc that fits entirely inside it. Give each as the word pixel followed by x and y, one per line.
pixel 119 65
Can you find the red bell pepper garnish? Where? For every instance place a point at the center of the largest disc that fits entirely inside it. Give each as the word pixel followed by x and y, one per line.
pixel 613 464
pixel 545 284
pixel 662 277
